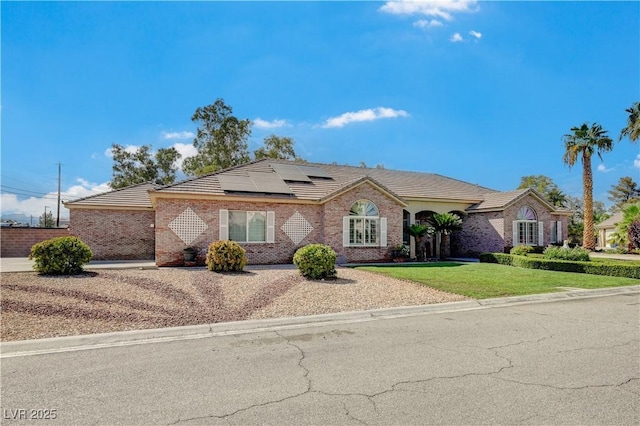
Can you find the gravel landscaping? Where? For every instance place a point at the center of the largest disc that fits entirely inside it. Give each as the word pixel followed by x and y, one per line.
pixel 35 306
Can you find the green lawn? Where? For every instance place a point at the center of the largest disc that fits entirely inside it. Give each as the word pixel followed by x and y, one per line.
pixel 485 280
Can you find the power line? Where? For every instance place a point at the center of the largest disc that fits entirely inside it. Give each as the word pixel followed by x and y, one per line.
pixel 22 194
pixel 24 190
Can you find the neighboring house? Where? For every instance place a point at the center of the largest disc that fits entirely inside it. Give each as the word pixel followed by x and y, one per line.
pixel 605 229
pixel 273 207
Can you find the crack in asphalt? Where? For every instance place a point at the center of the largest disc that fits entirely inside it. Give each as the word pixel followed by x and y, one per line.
pixel 240 410
pixel 569 388
pixel 395 386
pixel 601 348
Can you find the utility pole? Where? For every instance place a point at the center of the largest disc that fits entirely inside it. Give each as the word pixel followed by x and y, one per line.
pixel 58 216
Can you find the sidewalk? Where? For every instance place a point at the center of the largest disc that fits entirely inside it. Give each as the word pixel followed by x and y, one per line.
pixel 23 264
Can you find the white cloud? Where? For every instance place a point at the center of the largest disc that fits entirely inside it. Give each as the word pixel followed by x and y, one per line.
pixel 178 135
pixel 602 168
pixel 456 37
pixel 363 115
pixel 131 149
pixel 475 34
pixel 186 150
pixel 34 206
pixel 427 23
pixel 636 162
pixel 444 9
pixel 264 124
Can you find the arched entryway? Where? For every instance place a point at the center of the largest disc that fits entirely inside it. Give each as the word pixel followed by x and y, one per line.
pixel 425 248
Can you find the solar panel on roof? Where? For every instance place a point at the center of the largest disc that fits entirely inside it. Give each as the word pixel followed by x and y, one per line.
pixel 237 183
pixel 313 171
pixel 290 172
pixel 270 183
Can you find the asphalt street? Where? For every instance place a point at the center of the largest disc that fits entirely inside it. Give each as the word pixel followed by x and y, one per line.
pixel 562 361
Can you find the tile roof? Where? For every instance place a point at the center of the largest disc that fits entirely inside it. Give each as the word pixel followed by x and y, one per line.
pixel 134 196
pixel 610 222
pixel 499 200
pixel 404 184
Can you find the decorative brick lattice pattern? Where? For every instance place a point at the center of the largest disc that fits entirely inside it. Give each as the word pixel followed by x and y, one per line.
pixel 188 226
pixel 297 228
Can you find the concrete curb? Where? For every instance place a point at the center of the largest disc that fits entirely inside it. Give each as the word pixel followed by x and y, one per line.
pixel 137 337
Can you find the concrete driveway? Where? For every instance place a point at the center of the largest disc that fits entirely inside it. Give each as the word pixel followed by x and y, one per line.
pixel 556 361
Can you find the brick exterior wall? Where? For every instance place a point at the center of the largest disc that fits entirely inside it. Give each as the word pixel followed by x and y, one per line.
pixel 493 231
pixel 169 246
pixel 115 234
pixel 337 208
pixel 17 242
pixel 326 221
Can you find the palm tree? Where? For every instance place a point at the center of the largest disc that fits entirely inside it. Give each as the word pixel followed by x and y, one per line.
pixel 418 232
pixel 444 224
pixel 630 214
pixel 582 143
pixel 633 123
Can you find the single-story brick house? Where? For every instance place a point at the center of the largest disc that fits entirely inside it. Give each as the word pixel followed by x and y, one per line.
pixel 273 207
pixel 606 229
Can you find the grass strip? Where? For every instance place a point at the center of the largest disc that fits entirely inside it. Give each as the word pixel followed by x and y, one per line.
pixel 487 280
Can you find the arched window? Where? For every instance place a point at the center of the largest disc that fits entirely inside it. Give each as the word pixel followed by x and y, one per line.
pixel 363 226
pixel 364 208
pixel 525 227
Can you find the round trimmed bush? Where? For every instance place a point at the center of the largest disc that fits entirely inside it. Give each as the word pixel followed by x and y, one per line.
pixel 226 256
pixel 562 253
pixel 60 256
pixel 316 261
pixel 521 250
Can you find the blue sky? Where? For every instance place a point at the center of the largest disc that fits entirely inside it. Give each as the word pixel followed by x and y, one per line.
pixel 479 91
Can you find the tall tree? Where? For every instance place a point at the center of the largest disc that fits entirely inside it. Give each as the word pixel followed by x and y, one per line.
pixel 632 130
pixel 545 186
pixel 277 147
pixel 46 220
pixel 221 140
pixel 582 144
pixel 625 191
pixel 130 168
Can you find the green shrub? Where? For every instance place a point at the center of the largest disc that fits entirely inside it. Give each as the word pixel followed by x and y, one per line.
pixel 561 253
pixel 521 250
pixel 622 269
pixel 60 256
pixel 316 261
pixel 226 255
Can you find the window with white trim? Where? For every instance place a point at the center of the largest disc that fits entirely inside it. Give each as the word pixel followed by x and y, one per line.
pixel 555 232
pixel 364 227
pixel 526 229
pixel 247 226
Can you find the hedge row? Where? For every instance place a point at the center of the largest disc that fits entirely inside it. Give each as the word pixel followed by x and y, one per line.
pixel 594 268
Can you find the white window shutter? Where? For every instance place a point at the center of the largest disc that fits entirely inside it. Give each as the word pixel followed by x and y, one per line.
pixel 540 233
pixel 224 224
pixel 345 231
pixel 559 238
pixel 514 242
pixel 271 229
pixel 383 232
